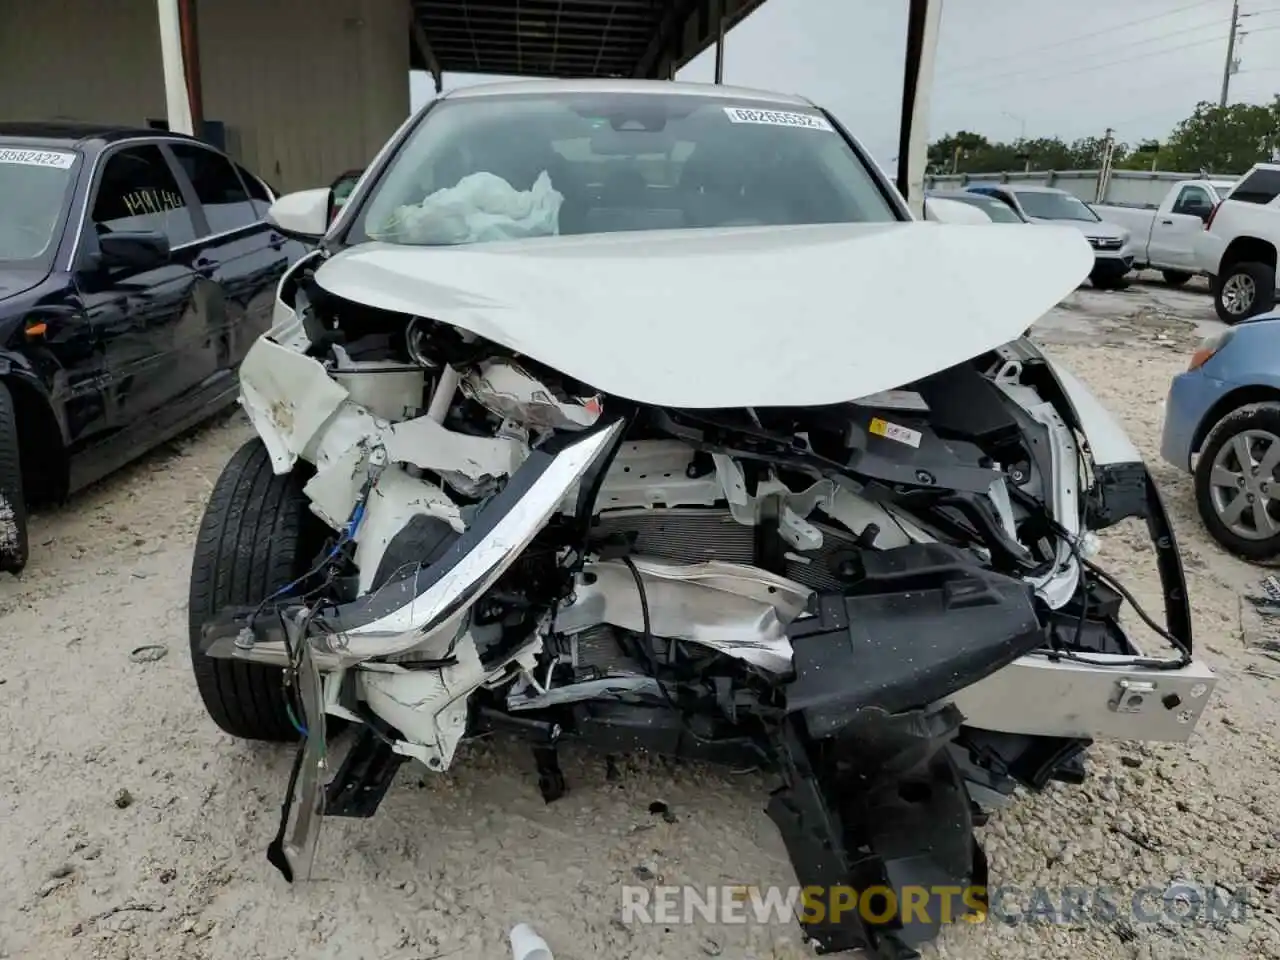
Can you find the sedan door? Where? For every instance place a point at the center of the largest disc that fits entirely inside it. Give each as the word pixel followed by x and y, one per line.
pixel 1174 233
pixel 242 254
pixel 149 320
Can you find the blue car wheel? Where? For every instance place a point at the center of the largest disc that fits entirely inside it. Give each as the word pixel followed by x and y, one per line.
pixel 1237 490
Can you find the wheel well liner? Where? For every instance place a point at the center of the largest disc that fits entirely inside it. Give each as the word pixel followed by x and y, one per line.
pixel 1254 393
pixel 45 473
pixel 1246 249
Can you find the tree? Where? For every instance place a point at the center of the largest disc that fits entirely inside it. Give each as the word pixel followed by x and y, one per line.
pixel 1147 155
pixel 966 152
pixel 953 149
pixel 1226 139
pixel 1087 152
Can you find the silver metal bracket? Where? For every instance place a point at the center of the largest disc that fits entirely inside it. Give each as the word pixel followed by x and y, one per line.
pixel 1105 700
pixel 1133 696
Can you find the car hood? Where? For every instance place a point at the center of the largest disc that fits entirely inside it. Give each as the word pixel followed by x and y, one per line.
pixel 736 317
pixel 14 283
pixel 1102 229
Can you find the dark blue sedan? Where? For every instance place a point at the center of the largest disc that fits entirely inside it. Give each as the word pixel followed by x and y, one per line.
pixel 1222 423
pixel 136 269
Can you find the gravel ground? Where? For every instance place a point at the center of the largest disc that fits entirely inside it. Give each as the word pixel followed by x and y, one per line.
pixel 133 829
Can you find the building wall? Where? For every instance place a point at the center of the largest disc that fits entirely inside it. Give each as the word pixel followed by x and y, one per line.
pixel 80 60
pixel 307 88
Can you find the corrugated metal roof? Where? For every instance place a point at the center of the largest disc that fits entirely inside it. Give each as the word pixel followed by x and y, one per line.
pixel 559 38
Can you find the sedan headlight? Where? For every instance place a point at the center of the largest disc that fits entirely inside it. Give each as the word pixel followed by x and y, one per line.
pixel 1208 347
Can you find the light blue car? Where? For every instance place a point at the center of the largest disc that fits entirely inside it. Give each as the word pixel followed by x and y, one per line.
pixel 1224 413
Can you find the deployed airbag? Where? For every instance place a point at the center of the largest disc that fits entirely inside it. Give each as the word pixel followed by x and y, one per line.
pixel 481 207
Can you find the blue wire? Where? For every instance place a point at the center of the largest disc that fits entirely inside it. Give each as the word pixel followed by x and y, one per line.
pixel 353 525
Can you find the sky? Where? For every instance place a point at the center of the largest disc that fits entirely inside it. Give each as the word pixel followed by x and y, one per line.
pixel 1005 69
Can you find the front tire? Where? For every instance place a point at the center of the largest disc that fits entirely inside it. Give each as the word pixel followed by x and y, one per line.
pixel 258 535
pixel 1175 278
pixel 1107 280
pixel 1237 493
pixel 13 506
pixel 1244 290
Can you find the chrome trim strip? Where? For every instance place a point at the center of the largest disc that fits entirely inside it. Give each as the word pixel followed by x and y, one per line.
pixel 429 605
pixel 93 172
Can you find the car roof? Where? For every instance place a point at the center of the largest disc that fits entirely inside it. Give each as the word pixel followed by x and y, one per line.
pixel 666 87
pixel 965 195
pixel 1033 188
pixel 74 133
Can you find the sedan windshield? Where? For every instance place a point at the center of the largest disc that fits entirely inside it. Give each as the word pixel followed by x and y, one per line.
pixel 35 185
pixel 1054 206
pixel 515 166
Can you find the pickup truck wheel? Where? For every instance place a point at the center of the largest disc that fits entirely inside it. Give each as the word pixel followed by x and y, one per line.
pixel 258 535
pixel 1244 290
pixel 13 506
pixel 1237 490
pixel 1175 278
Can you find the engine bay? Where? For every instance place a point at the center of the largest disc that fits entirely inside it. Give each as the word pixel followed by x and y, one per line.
pixel 824 592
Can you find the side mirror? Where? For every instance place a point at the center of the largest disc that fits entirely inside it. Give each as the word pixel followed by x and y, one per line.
pixel 943 210
pixel 303 215
pixel 134 249
pixel 340 191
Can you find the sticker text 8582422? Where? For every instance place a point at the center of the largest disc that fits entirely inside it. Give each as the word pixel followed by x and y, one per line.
pixel 38 158
pixel 778 118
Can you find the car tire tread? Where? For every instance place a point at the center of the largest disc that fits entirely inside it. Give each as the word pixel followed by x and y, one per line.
pixel 1264 279
pixel 255 538
pixel 14 545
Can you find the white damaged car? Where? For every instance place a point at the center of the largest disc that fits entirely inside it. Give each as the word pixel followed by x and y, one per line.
pixel 644 415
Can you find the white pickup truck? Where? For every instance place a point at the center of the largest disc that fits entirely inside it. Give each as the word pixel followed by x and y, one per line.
pixel 1237 247
pixel 1165 237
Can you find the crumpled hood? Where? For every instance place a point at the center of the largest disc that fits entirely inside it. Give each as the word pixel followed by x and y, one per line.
pixel 735 317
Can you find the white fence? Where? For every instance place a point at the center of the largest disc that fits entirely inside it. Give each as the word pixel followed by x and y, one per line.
pixel 1124 188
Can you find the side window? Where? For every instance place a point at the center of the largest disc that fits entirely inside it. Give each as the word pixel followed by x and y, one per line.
pixel 224 199
pixel 1261 187
pixel 1192 200
pixel 137 191
pixel 258 193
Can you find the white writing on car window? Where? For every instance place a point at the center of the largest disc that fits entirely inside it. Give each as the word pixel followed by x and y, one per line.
pixel 151 200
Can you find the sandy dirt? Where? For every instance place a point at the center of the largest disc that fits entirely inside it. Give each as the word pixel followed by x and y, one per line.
pixel 132 828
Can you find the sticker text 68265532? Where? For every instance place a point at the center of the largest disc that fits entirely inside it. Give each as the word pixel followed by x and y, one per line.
pixel 778 118
pixel 37 158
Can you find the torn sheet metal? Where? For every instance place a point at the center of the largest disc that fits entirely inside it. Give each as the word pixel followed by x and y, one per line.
pixel 300 412
pixel 739 610
pixel 504 388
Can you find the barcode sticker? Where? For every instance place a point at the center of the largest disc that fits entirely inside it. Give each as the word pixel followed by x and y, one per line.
pixel 778 118
pixel 38 158
pixel 894 431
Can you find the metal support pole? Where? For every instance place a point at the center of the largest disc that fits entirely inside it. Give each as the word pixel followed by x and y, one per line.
pixel 176 97
pixel 719 42
pixel 923 20
pixel 189 27
pixel 1228 68
pixel 426 50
